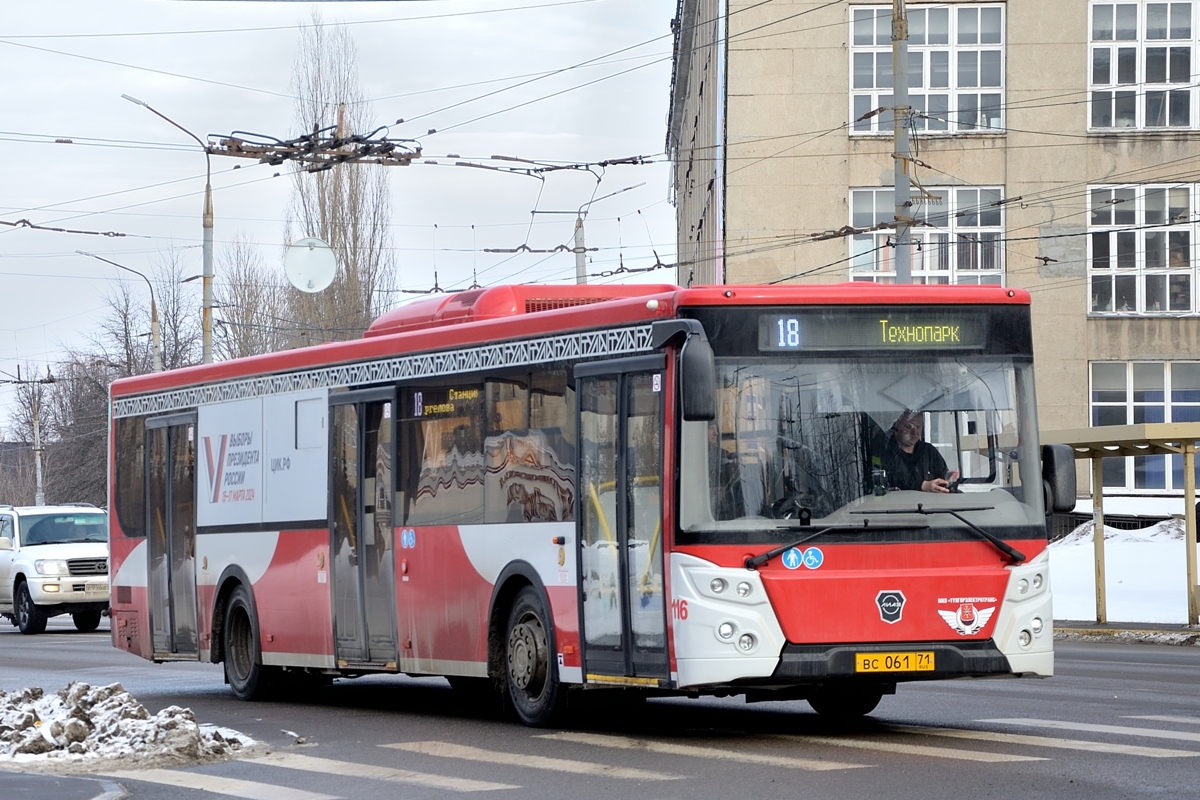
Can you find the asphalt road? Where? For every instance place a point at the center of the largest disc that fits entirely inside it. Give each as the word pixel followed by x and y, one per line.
pixel 1118 721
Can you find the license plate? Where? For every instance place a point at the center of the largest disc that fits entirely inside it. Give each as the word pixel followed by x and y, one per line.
pixel 96 587
pixel 919 661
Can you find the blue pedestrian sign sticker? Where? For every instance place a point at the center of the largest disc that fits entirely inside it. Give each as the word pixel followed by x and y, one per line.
pixel 793 558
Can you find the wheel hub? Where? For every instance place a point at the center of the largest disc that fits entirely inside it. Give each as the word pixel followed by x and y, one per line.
pixel 526 661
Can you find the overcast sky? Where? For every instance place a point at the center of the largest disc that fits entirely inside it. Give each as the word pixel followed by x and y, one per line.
pixel 217 67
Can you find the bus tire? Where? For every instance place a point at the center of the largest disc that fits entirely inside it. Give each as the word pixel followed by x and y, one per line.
pixel 533 687
pixel 845 702
pixel 244 672
pixel 86 621
pixel 30 619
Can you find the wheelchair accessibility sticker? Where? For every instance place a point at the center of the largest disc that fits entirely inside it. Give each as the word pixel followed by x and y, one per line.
pixel 811 558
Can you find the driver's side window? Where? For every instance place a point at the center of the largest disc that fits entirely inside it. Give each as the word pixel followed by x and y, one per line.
pixel 6 528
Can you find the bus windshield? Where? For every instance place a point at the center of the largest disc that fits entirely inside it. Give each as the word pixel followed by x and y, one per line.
pixel 839 439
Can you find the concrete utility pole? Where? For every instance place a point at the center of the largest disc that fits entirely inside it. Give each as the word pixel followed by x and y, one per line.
pixel 580 252
pixel 39 498
pixel 900 115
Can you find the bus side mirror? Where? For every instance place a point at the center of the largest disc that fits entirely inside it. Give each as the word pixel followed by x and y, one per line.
pixel 697 367
pixel 1058 477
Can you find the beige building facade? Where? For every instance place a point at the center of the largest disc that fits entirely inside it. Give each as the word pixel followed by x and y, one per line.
pixel 1055 145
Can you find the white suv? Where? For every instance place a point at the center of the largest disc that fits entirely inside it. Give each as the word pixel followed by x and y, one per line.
pixel 53 560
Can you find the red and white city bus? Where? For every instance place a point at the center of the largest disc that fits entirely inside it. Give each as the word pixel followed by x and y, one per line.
pixel 552 489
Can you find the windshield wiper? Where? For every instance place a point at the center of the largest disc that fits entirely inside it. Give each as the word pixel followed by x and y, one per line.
pixel 1004 547
pixel 754 562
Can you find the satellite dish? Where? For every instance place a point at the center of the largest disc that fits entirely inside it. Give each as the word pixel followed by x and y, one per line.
pixel 310 265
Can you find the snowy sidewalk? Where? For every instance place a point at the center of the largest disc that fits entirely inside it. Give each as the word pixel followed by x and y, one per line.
pixel 1145 585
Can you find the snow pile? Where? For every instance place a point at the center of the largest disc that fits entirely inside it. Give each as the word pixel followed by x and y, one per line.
pixel 86 722
pixel 1145 574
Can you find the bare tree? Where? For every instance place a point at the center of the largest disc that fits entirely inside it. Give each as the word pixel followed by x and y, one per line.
pixel 18 479
pixel 77 412
pixel 348 206
pixel 177 311
pixel 249 298
pixel 74 407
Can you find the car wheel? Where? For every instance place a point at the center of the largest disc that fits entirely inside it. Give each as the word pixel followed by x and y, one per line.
pixel 86 621
pixel 244 671
pixel 30 619
pixel 533 687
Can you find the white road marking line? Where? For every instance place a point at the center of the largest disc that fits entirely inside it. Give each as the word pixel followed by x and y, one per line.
pixel 1180 720
pixel 328 766
pixel 449 750
pixel 1123 730
pixel 214 784
pixel 670 748
pixel 909 749
pixel 1045 741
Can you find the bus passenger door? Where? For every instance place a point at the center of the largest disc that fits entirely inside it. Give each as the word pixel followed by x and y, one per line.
pixel 171 545
pixel 620 519
pixel 363 557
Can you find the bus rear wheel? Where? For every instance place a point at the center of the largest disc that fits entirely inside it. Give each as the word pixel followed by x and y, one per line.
pixel 536 695
pixel 244 673
pixel 845 702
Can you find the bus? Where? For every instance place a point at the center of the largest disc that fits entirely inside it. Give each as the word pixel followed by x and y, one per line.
pixel 541 491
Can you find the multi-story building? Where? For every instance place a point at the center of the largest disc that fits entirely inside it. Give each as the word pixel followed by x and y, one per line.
pixel 1056 148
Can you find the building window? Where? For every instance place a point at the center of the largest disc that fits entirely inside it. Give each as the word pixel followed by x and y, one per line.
pixel 1133 393
pixel 1140 249
pixel 1140 73
pixel 958 238
pixel 955 68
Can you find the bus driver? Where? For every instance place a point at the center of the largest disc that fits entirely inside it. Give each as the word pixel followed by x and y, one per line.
pixel 913 463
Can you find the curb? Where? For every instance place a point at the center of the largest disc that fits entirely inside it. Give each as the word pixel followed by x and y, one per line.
pixel 1185 637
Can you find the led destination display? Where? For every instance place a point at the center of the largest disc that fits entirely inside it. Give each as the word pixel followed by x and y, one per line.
pixel 871 329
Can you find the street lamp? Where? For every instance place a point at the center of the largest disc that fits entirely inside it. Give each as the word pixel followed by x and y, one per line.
pixel 155 334
pixel 207 302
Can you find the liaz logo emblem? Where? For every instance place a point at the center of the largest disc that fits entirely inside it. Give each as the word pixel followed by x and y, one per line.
pixel 891 605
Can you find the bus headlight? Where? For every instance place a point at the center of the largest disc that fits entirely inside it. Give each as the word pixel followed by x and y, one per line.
pixel 51 566
pixel 726 630
pixel 1025 637
pixel 717 585
pixel 1023 586
pixel 744 589
pixel 747 642
pixel 1036 625
pixel 1038 580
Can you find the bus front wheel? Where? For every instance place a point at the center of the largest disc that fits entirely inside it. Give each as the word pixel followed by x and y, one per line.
pixel 244 673
pixel 536 695
pixel 845 702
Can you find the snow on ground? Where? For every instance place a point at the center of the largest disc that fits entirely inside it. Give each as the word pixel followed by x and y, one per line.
pixel 83 723
pixel 1145 574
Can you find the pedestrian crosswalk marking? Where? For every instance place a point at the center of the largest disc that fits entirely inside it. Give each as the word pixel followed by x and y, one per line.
pixel 1178 720
pixel 909 749
pixel 328 766
pixel 1044 741
pixel 215 784
pixel 1123 730
pixel 449 750
pixel 674 749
